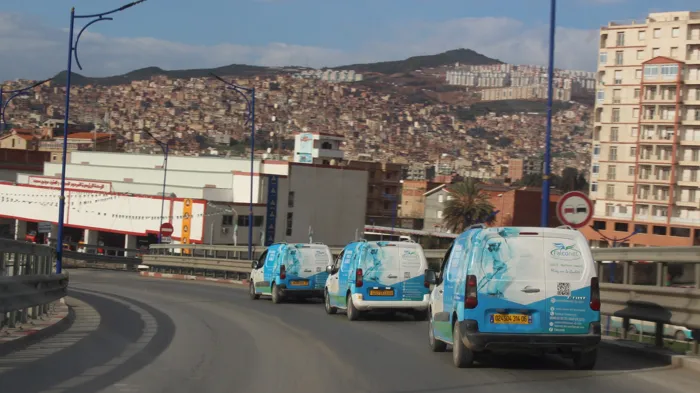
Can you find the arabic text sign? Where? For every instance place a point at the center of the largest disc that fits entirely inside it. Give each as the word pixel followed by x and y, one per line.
pixel 71 184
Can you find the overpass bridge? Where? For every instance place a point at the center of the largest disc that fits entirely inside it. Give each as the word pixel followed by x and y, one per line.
pixel 135 334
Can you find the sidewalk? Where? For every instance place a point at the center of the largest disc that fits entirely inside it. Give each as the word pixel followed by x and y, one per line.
pixel 688 362
pixel 57 318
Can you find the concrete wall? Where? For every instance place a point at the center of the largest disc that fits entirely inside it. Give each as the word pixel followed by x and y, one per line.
pixel 432 206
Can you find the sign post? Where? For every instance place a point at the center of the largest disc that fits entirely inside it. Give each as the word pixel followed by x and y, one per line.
pixel 166 231
pixel 574 209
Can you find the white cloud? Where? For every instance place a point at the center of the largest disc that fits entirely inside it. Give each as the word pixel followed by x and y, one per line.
pixel 30 49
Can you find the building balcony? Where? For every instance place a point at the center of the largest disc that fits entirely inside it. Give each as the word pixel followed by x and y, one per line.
pixel 683 162
pixel 687 183
pixel 695 204
pixel 685 221
pixel 690 142
pixel 620 216
pixel 658 219
pixel 691 122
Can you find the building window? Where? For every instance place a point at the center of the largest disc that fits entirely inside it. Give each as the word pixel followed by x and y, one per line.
pixel 636 91
pixel 226 221
pixel 641 35
pixel 635 113
pixel 603 57
pixel 675 32
pixel 634 131
pixel 290 221
pixel 657 33
pixel 655 52
pixel 638 74
pixel 619 57
pixel 13 142
pixel 621 227
pixel 614 131
pixel 674 52
pixel 610 191
pixel 600 96
pixel 633 151
pixel 595 169
pixel 612 153
pixel 257 221
pixel 669 71
pixel 640 55
pixel 596 150
pixel 594 187
pixel 290 199
pixel 630 189
pixel 441 198
pixel 651 71
pixel 639 228
pixel 612 173
pixel 620 41
pixel 439 214
pixel 618 77
pixel 615 118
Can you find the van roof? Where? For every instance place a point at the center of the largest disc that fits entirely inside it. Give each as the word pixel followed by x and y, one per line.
pixel 529 230
pixel 395 242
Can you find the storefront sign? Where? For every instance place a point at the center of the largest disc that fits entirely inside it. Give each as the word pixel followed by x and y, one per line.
pixel 271 214
pixel 71 184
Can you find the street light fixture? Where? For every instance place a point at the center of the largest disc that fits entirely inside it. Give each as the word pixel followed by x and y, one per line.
pixel 546 173
pixel 13 94
pixel 248 95
pixel 166 150
pixel 73 51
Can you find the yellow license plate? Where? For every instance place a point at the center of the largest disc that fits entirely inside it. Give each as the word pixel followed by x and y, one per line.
pixel 516 319
pixel 299 283
pixel 381 292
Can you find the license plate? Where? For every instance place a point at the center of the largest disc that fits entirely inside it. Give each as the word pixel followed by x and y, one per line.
pixel 515 319
pixel 381 292
pixel 299 283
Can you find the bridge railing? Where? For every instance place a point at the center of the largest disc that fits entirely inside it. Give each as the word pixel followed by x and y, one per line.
pixel 639 288
pixel 27 282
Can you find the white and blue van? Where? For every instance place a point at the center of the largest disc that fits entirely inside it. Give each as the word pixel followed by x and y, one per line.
pixel 516 289
pixel 290 270
pixel 378 275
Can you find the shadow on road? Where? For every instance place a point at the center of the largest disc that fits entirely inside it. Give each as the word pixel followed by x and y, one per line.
pixel 92 363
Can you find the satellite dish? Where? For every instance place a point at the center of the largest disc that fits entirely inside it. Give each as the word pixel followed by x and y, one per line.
pixel 269 150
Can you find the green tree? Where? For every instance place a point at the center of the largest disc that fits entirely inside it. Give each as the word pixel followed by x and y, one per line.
pixel 469 205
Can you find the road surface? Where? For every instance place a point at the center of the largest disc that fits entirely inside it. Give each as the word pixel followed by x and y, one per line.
pixel 135 334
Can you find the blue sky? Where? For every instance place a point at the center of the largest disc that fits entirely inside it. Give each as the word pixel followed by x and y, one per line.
pixel 203 33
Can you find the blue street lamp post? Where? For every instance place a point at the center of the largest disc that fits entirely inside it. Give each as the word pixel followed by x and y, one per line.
pixel 13 94
pixel 166 150
pixel 394 211
pixel 73 51
pixel 546 173
pixel 248 95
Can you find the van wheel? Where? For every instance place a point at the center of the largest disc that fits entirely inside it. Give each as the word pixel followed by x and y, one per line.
pixel 679 336
pixel 352 312
pixel 327 300
pixel 251 292
pixel 435 345
pixel 421 315
pixel 462 356
pixel 585 360
pixel 276 295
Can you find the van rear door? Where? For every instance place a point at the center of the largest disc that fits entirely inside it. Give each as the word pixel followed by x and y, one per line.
pixel 569 269
pixel 510 281
pixel 412 265
pixel 380 271
pixel 304 262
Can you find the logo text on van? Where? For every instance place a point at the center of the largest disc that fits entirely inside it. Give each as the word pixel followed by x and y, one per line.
pixel 562 251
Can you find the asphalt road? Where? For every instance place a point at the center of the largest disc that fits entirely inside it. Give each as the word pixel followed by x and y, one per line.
pixel 134 334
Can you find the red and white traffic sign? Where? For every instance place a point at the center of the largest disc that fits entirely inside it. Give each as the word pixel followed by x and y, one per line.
pixel 166 229
pixel 574 209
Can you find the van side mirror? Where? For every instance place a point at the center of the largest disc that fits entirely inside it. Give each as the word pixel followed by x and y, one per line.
pixel 329 269
pixel 431 277
pixel 254 264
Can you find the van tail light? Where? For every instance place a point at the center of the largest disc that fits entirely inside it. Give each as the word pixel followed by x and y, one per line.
pixel 470 298
pixel 358 278
pixel 425 282
pixel 283 272
pixel 595 294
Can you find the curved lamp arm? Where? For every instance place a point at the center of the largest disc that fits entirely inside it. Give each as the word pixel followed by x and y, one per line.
pixel 242 92
pixel 77 40
pixel 102 15
pixel 158 141
pixel 16 93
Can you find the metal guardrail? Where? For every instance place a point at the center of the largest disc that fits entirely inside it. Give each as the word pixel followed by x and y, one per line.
pixel 27 285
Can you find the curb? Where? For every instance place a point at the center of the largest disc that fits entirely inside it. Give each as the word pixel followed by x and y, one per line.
pixel 674 359
pixel 61 319
pixel 187 277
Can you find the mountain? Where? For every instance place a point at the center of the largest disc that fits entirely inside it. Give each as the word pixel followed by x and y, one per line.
pixel 148 72
pixel 464 56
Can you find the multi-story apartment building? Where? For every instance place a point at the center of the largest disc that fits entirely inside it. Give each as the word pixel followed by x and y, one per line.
pixel 646 141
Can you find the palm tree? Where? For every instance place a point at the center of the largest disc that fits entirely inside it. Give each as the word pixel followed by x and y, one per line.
pixel 469 205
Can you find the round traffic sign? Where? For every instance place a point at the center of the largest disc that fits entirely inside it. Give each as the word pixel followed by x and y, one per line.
pixel 166 229
pixel 574 209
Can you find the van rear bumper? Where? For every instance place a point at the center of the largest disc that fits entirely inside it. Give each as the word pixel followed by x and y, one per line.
pixel 366 305
pixel 304 292
pixel 478 341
